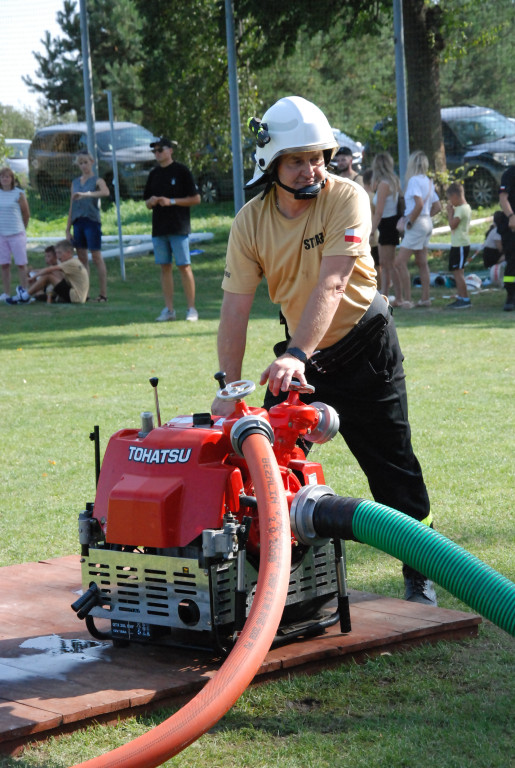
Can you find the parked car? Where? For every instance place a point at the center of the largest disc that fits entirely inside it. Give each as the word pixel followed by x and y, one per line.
pixel 54 149
pixel 18 157
pixel 482 142
pixel 479 146
pixel 214 179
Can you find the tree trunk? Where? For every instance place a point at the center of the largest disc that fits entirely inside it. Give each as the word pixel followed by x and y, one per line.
pixel 423 43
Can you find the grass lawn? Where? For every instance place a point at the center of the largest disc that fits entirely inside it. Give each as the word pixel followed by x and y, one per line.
pixel 67 368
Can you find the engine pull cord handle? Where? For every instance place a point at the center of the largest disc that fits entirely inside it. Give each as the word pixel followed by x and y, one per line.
pixel 240 598
pixel 154 381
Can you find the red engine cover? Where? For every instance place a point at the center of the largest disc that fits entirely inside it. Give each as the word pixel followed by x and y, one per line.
pixel 163 489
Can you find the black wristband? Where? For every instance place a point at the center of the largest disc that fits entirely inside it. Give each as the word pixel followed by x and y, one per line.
pixel 298 353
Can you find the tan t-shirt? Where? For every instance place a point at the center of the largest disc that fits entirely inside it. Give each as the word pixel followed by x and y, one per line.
pixel 288 252
pixel 77 275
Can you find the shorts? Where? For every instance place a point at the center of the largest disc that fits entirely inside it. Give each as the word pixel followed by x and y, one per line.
pixel 458 256
pixel 15 245
pixel 490 257
pixel 87 234
pixel 388 233
pixel 417 238
pixel 166 245
pixel 62 290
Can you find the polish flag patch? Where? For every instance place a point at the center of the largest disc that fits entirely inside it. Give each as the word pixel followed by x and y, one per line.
pixel 351 236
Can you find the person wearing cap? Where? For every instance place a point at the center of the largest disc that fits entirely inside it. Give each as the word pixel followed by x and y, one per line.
pixel 308 235
pixel 169 193
pixel 343 160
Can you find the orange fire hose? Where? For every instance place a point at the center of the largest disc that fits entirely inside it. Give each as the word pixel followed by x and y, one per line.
pixel 219 694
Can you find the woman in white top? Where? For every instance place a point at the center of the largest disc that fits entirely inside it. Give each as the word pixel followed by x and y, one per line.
pixel 387 188
pixel 419 195
pixel 14 218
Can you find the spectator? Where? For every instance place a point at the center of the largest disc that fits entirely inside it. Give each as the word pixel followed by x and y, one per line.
pixel 308 235
pixel 14 219
pixel 506 229
pixel 343 160
pixel 69 278
pixel 419 196
pixel 84 214
pixel 387 188
pixel 50 261
pixel 458 214
pixel 492 246
pixel 170 192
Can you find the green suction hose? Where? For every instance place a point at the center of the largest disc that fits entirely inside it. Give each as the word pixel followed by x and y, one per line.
pixel 317 512
pixel 440 559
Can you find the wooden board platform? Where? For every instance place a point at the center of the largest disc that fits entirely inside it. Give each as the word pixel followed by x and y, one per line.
pixel 54 677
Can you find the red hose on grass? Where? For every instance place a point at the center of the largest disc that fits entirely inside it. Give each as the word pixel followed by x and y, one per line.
pixel 219 694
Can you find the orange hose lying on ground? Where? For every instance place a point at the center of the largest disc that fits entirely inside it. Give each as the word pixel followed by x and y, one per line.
pixel 220 693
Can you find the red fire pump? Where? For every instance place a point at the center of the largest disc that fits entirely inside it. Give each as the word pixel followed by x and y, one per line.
pixel 170 547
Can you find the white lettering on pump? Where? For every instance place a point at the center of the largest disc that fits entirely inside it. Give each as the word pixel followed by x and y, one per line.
pixel 159 455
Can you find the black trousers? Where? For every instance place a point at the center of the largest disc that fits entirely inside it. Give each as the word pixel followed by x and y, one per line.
pixel 369 395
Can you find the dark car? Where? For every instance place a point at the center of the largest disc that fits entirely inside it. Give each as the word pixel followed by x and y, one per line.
pixel 482 142
pixel 479 146
pixel 54 149
pixel 215 177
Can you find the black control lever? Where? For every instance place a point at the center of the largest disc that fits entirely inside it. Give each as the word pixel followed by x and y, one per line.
pixel 154 381
pixel 220 377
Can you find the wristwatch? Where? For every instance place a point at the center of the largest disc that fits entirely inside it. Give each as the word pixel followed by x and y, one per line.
pixel 172 201
pixel 298 353
pixel 409 224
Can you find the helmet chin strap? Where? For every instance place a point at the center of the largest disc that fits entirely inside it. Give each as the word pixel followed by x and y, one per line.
pixel 304 193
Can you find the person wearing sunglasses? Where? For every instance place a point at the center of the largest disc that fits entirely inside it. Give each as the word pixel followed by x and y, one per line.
pixel 169 193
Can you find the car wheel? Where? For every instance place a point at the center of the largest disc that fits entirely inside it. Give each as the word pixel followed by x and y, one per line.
pixel 482 189
pixel 209 191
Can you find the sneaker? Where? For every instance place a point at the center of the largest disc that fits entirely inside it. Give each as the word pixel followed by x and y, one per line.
pixel 4 296
pixel 22 295
pixel 192 315
pixel 166 315
pixel 460 303
pixel 418 589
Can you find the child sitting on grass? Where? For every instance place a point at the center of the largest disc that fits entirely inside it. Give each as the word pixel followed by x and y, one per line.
pixel 69 278
pixel 459 213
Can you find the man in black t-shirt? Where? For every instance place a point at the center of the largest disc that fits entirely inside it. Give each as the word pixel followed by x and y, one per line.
pixel 506 229
pixel 169 193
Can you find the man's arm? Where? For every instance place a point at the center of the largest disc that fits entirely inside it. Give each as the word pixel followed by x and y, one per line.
pixel 316 318
pixel 232 338
pixel 184 202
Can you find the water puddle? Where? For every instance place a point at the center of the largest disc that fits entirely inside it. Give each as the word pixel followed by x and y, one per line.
pixel 56 657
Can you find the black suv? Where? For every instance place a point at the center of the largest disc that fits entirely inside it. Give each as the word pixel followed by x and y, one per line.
pixel 54 148
pixel 482 143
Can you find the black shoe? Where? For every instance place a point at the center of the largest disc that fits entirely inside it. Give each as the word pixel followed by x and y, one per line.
pixel 510 305
pixel 417 588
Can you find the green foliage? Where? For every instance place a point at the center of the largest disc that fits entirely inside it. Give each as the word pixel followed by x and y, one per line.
pixel 116 59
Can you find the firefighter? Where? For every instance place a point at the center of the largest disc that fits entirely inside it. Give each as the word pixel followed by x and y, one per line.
pixel 308 235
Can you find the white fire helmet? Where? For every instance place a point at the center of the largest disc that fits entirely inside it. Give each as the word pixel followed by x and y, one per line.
pixel 292 124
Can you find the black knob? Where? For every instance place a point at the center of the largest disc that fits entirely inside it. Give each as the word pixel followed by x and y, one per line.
pixel 220 377
pixel 154 380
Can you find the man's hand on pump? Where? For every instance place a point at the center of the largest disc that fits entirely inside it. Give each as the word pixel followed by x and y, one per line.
pixel 280 373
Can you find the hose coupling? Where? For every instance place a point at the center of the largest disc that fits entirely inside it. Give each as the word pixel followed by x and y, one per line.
pixel 250 425
pixel 301 513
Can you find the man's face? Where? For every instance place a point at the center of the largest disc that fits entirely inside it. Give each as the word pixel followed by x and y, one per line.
pixel 163 154
pixel 301 169
pixel 343 162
